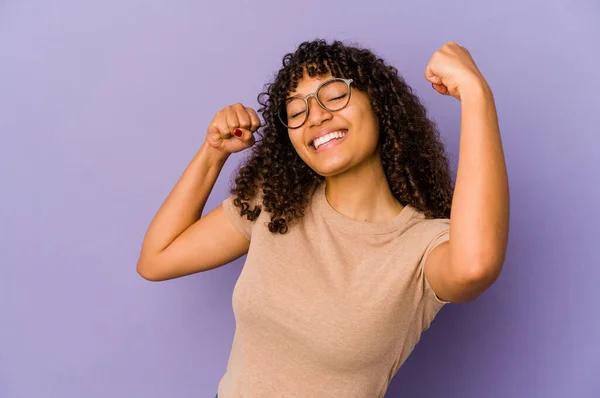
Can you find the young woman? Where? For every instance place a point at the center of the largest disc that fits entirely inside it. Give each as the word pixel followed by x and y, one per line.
pixel 343 209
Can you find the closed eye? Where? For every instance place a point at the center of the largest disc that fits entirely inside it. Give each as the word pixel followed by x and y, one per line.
pixel 337 98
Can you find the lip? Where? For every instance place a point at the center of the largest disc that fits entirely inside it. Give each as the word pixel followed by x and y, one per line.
pixel 322 133
pixel 330 144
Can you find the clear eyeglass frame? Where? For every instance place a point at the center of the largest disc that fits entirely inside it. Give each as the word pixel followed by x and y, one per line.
pixel 315 95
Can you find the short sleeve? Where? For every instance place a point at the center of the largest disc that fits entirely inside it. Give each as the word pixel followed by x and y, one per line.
pixel 241 223
pixel 437 232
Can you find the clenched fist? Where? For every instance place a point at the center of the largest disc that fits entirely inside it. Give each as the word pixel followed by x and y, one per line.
pixel 232 129
pixel 451 68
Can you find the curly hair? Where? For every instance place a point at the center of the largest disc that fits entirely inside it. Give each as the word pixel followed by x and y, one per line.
pixel 413 155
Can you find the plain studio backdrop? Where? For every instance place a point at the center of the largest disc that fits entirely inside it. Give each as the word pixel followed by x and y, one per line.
pixel 104 103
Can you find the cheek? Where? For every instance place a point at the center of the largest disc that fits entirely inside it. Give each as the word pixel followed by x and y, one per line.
pixel 298 143
pixel 294 139
pixel 367 124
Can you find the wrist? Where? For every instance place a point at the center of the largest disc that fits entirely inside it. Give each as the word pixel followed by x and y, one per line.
pixel 213 155
pixel 474 86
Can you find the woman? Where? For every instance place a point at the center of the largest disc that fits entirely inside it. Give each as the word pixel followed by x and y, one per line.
pixel 343 210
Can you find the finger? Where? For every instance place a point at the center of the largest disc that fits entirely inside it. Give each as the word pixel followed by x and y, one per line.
pixel 220 124
pixel 430 76
pixel 247 137
pixel 254 120
pixel 242 116
pixel 232 119
pixel 440 88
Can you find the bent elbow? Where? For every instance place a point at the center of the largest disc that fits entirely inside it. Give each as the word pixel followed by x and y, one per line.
pixel 146 271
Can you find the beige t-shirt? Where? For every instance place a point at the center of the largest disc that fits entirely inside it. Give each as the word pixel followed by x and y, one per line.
pixel 331 308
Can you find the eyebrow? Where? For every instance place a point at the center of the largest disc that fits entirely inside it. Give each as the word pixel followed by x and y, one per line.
pixel 299 95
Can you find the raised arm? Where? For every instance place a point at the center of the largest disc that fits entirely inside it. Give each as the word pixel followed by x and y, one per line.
pixel 466 265
pixel 179 241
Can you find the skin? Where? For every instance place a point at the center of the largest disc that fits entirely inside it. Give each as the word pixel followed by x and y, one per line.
pixel 462 268
pixel 356 184
pixel 180 242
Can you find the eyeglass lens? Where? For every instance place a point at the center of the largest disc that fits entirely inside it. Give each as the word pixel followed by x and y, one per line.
pixel 333 96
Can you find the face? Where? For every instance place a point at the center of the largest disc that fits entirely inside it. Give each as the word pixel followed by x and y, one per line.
pixel 345 139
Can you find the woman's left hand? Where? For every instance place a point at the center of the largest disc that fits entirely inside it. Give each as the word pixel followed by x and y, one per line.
pixel 452 68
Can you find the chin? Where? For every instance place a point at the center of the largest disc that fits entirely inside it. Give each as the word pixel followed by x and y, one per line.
pixel 331 167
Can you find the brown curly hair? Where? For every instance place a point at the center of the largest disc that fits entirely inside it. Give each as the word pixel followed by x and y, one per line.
pixel 412 153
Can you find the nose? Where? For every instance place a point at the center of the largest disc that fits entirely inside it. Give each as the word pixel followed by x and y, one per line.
pixel 316 113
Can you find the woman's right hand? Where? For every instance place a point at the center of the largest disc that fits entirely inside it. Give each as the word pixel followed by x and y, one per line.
pixel 232 129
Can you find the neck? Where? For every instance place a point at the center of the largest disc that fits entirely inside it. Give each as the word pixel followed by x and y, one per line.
pixel 363 193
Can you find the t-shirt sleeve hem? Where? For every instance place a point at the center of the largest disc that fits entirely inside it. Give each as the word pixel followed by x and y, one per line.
pixel 442 237
pixel 234 217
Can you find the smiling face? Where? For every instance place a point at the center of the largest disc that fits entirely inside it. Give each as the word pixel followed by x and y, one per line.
pixel 332 143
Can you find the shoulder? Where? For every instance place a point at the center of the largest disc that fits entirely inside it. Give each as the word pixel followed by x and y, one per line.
pixel 243 214
pixel 427 228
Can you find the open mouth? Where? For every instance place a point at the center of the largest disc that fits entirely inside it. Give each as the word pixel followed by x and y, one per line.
pixel 328 140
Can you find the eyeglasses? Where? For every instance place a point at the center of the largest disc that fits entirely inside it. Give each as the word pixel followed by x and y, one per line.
pixel 332 95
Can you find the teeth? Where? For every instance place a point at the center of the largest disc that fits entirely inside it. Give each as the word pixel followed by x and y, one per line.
pixel 328 137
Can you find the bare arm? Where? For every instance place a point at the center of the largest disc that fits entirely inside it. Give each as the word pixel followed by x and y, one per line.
pixel 178 242
pixel 462 268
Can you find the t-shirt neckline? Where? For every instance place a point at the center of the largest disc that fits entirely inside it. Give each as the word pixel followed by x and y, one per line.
pixel 362 227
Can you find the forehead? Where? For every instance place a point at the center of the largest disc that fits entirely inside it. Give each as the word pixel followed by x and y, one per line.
pixel 308 84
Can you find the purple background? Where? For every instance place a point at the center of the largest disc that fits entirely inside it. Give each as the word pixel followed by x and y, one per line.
pixel 104 103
